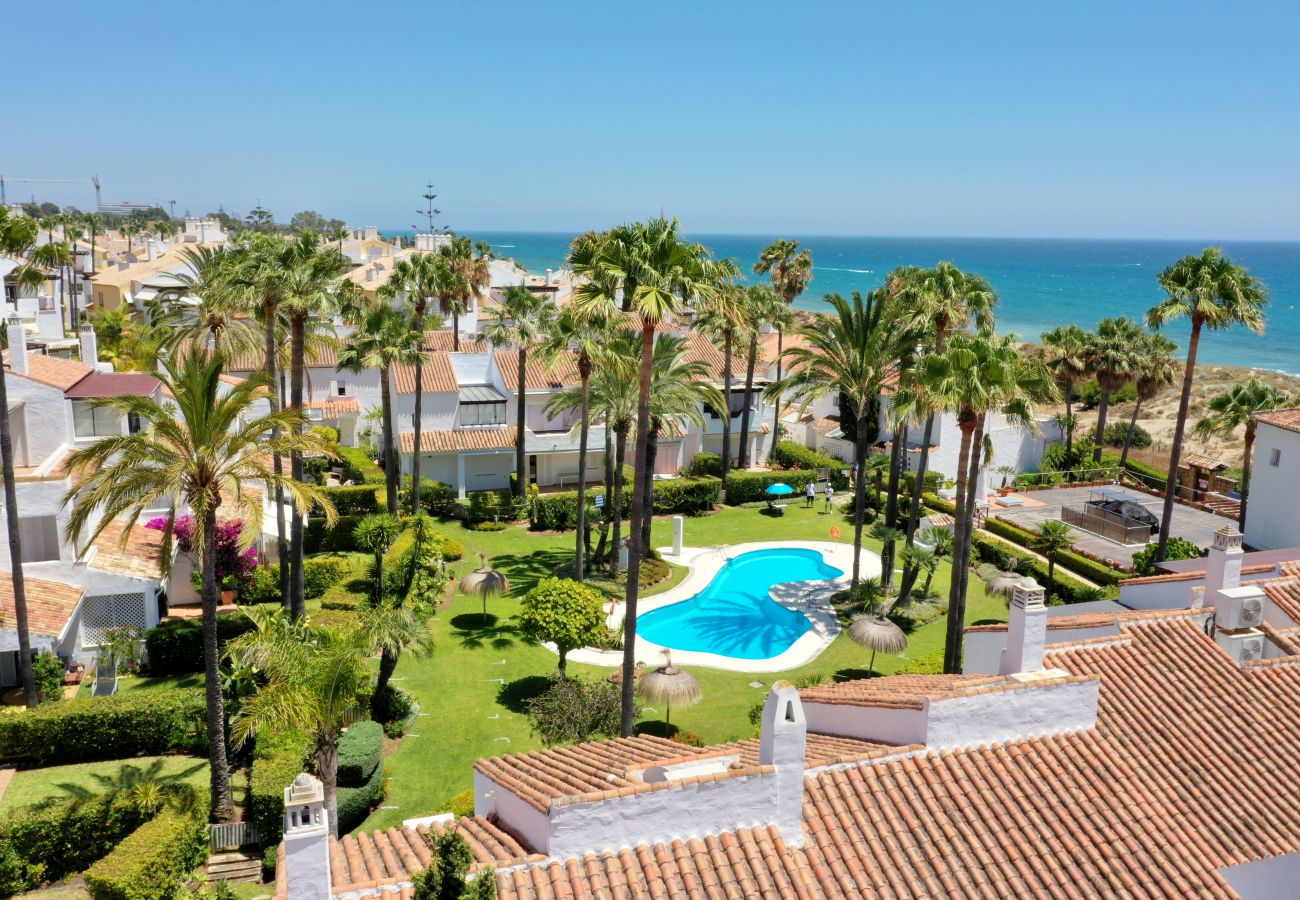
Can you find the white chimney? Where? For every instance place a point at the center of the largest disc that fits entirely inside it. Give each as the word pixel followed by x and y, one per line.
pixel 17 344
pixel 1223 565
pixel 372 233
pixel 306 840
pixel 548 276
pixel 783 744
pixel 370 273
pixel 89 345
pixel 1026 630
pixel 152 250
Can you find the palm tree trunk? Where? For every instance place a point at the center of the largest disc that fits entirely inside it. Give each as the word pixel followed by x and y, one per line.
pixel 776 413
pixel 918 486
pixel 455 330
pixel 620 458
pixel 651 455
pixel 1244 489
pixel 1176 451
pixel 607 516
pixel 15 549
pixel 222 805
pixel 859 495
pixel 972 481
pixel 297 598
pixel 897 455
pixel 419 413
pixel 584 372
pixel 390 451
pixel 271 350
pixel 1069 418
pixel 1128 438
pixel 1103 410
pixel 725 412
pixel 929 576
pixel 743 455
pixel 952 644
pixel 521 475
pixel 387 665
pixel 635 548
pixel 327 764
pixel 1051 573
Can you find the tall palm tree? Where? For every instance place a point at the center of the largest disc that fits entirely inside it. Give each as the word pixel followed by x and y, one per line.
pixel 791 271
pixel 1114 354
pixel 974 376
pixel 655 271
pixel 1156 370
pixel 418 278
pixel 723 318
pixel 523 319
pixel 386 337
pixel 94 223
pixel 849 352
pixel 1049 539
pixel 466 276
pixel 313 674
pixel 212 276
pixel 1215 293
pixel 1066 358
pixel 1238 407
pixel 573 333
pixel 196 451
pixel 762 306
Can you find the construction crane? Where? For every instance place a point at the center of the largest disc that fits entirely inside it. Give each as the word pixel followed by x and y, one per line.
pixel 4 200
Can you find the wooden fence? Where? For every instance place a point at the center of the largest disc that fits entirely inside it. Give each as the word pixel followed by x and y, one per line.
pixel 231 836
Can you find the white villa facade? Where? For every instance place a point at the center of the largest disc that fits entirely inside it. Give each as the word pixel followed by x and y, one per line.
pixel 1273 510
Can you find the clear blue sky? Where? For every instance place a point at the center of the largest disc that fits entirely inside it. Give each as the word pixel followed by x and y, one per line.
pixel 1036 119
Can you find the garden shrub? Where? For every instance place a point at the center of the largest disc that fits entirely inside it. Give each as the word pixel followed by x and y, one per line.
pixel 176 647
pixel 447 547
pixel 1091 569
pixel 796 456
pixel 153 860
pixel 263 587
pixel 355 802
pixel 993 550
pixel 1117 432
pixel 748 487
pixel 564 612
pixel 686 495
pixel 321 537
pixel 354 499
pixel 392 707
pixel 358 467
pixel 706 463
pixel 360 750
pixel 436 498
pixel 321 574
pixel 487 525
pixel 460 805
pixel 488 506
pixel 1144 561
pixel 571 711
pixel 927 664
pixel 277 760
pixel 47 672
pixel 141 723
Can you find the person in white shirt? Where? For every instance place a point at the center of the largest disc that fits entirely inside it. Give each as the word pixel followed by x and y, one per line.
pixel 810 495
pixel 830 493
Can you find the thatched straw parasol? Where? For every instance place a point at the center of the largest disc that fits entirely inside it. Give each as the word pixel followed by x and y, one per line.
pixel 484 582
pixel 877 633
pixel 1003 583
pixel 668 685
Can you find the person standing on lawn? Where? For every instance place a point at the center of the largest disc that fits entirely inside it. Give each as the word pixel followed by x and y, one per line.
pixel 830 494
pixel 811 495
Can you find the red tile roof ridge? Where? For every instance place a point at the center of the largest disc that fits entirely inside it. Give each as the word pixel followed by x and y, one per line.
pixel 706 753
pixel 597 796
pixel 1098 619
pixel 1168 577
pixel 910 692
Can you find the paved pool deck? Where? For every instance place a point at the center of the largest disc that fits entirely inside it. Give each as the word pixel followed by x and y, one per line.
pixel 809 598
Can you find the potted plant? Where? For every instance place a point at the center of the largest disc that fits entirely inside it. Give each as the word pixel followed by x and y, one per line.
pixel 229 584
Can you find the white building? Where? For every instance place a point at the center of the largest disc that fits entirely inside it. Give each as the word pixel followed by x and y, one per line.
pixel 1273 510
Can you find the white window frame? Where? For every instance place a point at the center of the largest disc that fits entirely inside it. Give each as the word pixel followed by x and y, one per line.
pixel 103 421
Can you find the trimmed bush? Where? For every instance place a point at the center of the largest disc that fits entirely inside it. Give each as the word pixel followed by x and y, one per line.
pixel 353 500
pixel 488 506
pixel 686 495
pixel 796 456
pixel 460 805
pixel 360 750
pixel 176 647
pixel 448 548
pixel 1066 559
pixel 1144 561
pixel 436 498
pixel 927 664
pixel 277 760
pixel 319 537
pixel 321 574
pixel 359 467
pixel 748 487
pixel 140 723
pixel 355 803
pixel 706 463
pixel 998 552
pixel 263 587
pixel 152 861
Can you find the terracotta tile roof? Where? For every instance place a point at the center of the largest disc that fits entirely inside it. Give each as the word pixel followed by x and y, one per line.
pixel 114 384
pixel 141 556
pixel 443 340
pixel 1285 593
pixel 1282 418
pixel 701 348
pixel 898 691
pixel 335 406
pixel 1099 619
pixel 1191 576
pixel 319 355
pixel 49 604
pixel 822 750
pixel 436 375
pixel 538 376
pixel 827 424
pixel 52 371
pixel 458 439
pixel 1203 461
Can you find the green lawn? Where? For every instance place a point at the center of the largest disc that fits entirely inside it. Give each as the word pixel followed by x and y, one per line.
pixel 83 779
pixel 471 689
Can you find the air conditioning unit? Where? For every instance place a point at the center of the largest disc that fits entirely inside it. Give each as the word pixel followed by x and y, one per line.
pixel 1238 608
pixel 1245 646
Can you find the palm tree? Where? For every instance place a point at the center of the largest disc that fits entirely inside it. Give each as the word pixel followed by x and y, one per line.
pixel 1214 293
pixel 850 352
pixel 338 233
pixel 974 376
pixel 198 450
pixel 1066 359
pixel 1239 407
pixel 94 223
pixel 1114 355
pixel 72 235
pixel 1156 370
pixel 655 271
pixel 572 333
pixel 791 271
pixel 418 278
pixel 314 675
pixel 762 306
pixel 212 275
pixel 1049 539
pixel 466 275
pixel 386 338
pixel 723 317
pixel 524 319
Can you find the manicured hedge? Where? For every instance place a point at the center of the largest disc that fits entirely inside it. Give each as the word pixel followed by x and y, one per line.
pixel 355 803
pixel 559 512
pixel 706 463
pixel 686 495
pixel 360 750
pixel 1095 571
pixel 436 498
pixel 748 487
pixel 359 467
pixel 992 550
pixel 321 574
pixel 485 506
pixel 277 760
pixel 131 724
pixel 176 647
pixel 448 548
pixel 153 860
pixel 353 500
pixel 320 537
pixel 796 456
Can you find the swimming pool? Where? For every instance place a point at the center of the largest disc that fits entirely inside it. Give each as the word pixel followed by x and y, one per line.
pixel 734 616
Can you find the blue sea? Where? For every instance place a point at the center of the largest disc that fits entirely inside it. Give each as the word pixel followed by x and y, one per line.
pixel 1041 283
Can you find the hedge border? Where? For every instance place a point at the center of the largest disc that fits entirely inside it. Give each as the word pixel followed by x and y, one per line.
pixel 152 861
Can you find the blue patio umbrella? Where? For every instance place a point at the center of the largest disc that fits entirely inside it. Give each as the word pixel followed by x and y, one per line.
pixel 780 489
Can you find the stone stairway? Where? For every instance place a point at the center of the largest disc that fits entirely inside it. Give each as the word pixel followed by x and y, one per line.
pixel 235 865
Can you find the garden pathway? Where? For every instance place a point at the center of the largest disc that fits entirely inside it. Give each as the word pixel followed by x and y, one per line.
pixel 6 776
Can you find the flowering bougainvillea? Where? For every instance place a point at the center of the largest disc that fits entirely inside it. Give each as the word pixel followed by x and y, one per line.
pixel 234 566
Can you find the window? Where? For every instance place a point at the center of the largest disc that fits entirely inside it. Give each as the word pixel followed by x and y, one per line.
pixel 40 537
pixel 1275 457
pixel 343 388
pixel 88 421
pixel 133 423
pixel 482 414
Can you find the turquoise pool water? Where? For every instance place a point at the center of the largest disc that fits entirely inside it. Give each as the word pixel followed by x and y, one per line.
pixel 734 616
